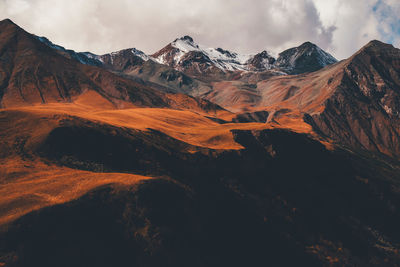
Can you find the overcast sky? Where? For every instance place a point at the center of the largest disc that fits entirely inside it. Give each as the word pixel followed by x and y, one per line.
pixel 339 26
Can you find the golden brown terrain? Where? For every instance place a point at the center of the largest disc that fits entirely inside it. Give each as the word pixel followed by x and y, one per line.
pixel 30 183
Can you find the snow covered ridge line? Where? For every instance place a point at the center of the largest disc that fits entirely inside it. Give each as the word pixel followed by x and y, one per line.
pixel 183 53
pixel 223 59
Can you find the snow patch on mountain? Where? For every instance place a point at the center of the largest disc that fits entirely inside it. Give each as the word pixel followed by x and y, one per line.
pixel 92 56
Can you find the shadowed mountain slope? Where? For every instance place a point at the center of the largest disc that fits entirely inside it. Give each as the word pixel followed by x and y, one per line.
pixel 209 208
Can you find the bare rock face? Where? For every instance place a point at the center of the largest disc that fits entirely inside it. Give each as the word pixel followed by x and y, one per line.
pixel 261 62
pixel 364 111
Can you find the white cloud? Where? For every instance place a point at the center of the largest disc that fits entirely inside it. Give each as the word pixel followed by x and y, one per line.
pixel 16 6
pixel 100 26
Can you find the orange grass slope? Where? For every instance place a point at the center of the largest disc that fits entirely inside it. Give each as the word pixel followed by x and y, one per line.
pixel 30 182
pixel 28 185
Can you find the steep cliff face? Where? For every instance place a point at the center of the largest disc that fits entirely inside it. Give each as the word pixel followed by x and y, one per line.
pixel 364 111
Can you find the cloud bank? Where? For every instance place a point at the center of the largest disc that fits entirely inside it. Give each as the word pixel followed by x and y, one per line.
pixel 101 26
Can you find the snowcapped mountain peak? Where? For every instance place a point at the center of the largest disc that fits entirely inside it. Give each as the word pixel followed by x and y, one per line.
pixel 184 53
pixel 185 44
pixel 304 58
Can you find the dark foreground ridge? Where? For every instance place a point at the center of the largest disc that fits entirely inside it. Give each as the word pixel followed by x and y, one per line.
pixel 284 194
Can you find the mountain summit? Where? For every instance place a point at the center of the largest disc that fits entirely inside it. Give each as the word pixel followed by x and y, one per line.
pixel 307 57
pixel 185 54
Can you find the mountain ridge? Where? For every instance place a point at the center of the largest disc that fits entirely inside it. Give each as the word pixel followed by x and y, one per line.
pixel 183 52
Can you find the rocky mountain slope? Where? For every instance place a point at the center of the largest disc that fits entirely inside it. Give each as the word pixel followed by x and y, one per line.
pixel 364 111
pixel 36 73
pixel 184 66
pixel 355 101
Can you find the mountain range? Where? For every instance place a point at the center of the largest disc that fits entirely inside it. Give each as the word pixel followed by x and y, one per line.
pixel 197 156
